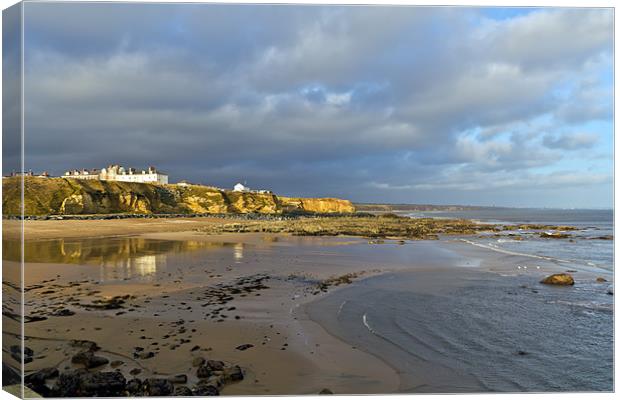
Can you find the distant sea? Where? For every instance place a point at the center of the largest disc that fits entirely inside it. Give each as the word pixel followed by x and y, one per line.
pixel 585 250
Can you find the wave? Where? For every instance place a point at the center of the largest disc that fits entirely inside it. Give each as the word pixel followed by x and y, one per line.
pixel 515 253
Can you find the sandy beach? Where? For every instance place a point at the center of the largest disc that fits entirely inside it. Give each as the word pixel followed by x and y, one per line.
pixel 158 299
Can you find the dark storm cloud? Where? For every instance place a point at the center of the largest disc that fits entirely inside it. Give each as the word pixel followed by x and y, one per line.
pixel 361 102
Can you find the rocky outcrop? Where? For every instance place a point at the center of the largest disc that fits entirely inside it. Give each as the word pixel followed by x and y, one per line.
pixel 327 205
pixel 559 279
pixel 61 196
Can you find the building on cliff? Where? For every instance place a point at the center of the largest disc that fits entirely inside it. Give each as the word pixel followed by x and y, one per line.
pixel 119 173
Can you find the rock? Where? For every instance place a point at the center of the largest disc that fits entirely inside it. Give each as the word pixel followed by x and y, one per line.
pixel 16 354
pixel 10 376
pixel 610 291
pixel 326 391
pixel 198 361
pixel 68 383
pixel 203 372
pixel 143 355
pixel 214 365
pixel 36 381
pixel 39 377
pixel 554 235
pixel 135 371
pixel 158 387
pixel 234 373
pixel 601 279
pixel 134 387
pixel 89 359
pixel 103 384
pixel 203 389
pixel 183 391
pixel 65 312
pixel 116 363
pixel 522 353
pixel 86 344
pixel 181 378
pixel 244 347
pixel 559 279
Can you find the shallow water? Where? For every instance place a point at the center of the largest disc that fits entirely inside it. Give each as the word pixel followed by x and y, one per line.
pixel 463 333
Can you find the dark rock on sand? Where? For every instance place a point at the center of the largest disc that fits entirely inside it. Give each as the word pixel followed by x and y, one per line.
pixel 89 359
pixel 16 353
pixel 135 371
pixel 134 387
pixel 326 391
pixel 234 373
pixel 65 312
pixel 158 387
pixel 68 383
pixel 183 391
pixel 244 347
pixel 203 372
pixel 10 376
pixel 204 389
pixel 215 365
pixel 103 384
pixel 36 380
pixel 559 279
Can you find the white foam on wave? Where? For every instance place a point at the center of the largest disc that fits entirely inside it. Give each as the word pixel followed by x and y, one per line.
pixel 514 253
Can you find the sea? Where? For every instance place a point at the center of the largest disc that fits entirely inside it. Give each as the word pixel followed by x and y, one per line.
pixel 484 331
pixel 585 249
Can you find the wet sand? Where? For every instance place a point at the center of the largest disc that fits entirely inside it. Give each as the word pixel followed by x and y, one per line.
pixel 217 292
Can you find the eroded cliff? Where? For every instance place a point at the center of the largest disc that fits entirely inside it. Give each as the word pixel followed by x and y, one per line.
pixel 61 196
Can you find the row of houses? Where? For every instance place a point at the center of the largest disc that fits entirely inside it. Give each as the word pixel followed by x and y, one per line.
pixel 115 172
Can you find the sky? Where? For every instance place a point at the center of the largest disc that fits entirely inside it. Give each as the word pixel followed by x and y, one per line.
pixel 442 105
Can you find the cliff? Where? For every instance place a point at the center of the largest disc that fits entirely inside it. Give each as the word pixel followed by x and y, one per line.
pixel 61 196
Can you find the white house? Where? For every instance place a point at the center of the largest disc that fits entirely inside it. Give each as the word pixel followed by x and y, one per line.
pixel 119 173
pixel 240 188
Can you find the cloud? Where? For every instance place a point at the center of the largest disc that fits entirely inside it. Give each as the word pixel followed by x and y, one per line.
pixel 310 100
pixel 571 141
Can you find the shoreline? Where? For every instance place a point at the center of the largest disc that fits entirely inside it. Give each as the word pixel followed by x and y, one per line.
pixel 316 367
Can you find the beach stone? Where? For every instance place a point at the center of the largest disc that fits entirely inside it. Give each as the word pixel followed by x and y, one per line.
pixel 601 279
pixel 203 371
pixel 86 344
pixel 134 387
pixel 65 312
pixel 10 376
pixel 116 363
pixel 39 377
pixel 183 391
pixel 68 383
pixel 36 381
pixel 89 359
pixel 234 373
pixel 16 354
pixel 135 371
pixel 215 365
pixel 244 347
pixel 559 279
pixel 158 387
pixel 103 384
pixel 326 391
pixel 203 389
pixel 198 361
